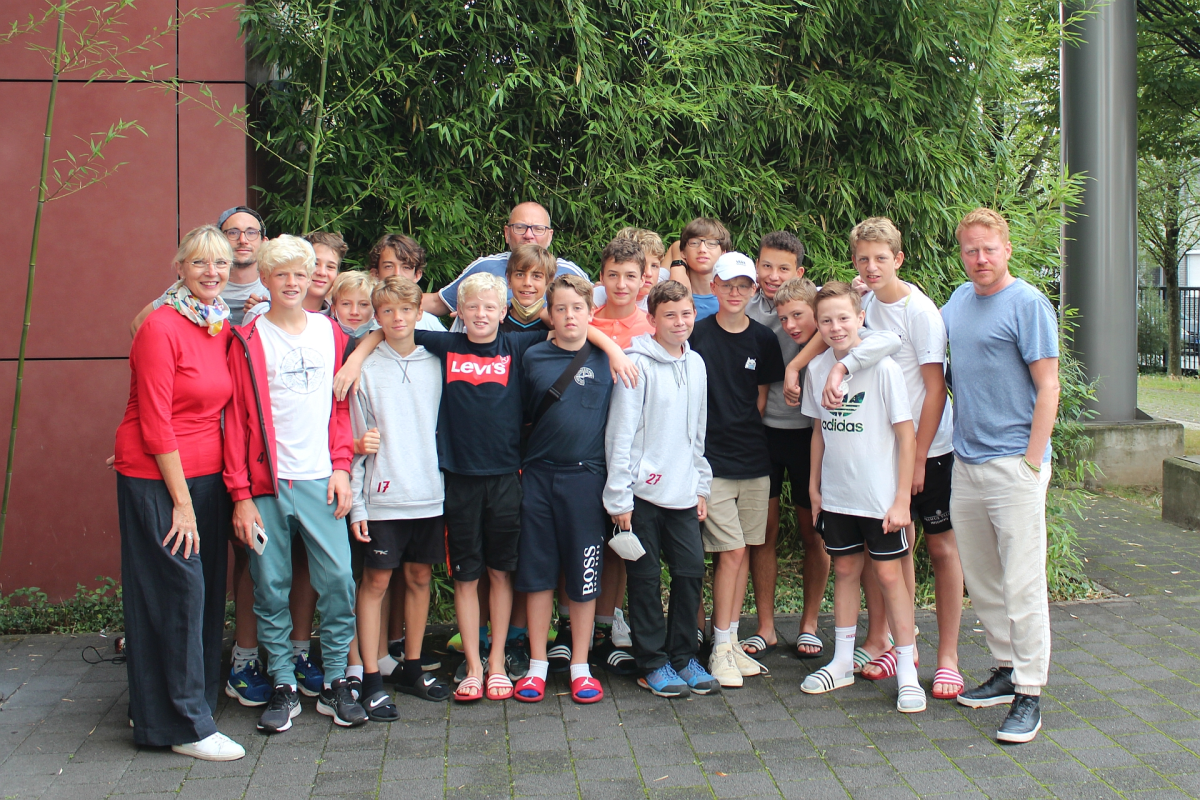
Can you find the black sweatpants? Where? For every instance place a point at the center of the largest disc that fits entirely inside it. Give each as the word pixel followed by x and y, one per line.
pixel 675 533
pixel 174 609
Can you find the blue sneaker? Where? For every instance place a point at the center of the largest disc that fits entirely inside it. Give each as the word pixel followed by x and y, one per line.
pixel 249 687
pixel 665 682
pixel 309 680
pixel 699 680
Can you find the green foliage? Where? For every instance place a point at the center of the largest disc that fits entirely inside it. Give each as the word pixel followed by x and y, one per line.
pixel 1152 329
pixel 29 610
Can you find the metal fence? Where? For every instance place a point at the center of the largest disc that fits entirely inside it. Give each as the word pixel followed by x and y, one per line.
pixel 1152 329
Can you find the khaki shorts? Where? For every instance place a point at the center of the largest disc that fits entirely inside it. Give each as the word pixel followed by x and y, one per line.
pixel 737 514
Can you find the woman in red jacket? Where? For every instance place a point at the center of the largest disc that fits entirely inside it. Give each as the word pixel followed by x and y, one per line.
pixel 174 511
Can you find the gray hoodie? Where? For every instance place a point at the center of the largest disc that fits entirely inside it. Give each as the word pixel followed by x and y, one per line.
pixel 400 396
pixel 654 443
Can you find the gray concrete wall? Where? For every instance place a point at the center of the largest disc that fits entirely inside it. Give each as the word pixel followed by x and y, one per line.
pixel 1181 491
pixel 1132 453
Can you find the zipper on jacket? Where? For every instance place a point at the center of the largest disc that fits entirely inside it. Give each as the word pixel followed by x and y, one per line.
pixel 262 420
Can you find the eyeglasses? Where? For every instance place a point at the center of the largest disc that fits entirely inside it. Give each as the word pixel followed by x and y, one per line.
pixel 220 263
pixel 734 288
pixel 233 234
pixel 711 244
pixel 519 228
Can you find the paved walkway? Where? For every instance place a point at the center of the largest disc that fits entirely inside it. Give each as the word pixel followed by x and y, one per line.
pixel 1122 719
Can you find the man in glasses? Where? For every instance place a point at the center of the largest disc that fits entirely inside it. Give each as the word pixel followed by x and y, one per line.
pixel 244 229
pixel 528 223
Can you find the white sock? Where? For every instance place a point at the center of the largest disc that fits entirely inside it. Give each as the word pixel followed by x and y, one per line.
pixel 580 671
pixel 906 673
pixel 538 669
pixel 733 630
pixel 300 646
pixel 243 656
pixel 328 685
pixel 720 636
pixel 843 650
pixel 353 671
pixel 603 620
pixel 387 665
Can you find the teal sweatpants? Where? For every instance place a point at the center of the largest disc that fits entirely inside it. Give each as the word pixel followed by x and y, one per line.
pixel 300 509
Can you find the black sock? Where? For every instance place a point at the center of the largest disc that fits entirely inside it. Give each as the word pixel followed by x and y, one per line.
pixel 372 683
pixel 412 671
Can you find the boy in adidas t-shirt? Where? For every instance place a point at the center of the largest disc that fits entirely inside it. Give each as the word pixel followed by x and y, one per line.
pixel 862 462
pixel 900 307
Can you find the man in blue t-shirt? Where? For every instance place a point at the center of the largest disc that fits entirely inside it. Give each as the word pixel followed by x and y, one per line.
pixel 528 223
pixel 1003 337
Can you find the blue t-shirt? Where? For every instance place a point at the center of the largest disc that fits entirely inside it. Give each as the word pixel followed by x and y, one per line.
pixel 479 422
pixel 706 305
pixel 496 265
pixel 993 339
pixel 571 432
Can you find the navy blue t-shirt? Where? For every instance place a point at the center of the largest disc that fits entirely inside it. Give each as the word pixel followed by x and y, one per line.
pixel 479 421
pixel 571 432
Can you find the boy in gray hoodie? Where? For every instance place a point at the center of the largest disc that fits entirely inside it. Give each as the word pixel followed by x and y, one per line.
pixel 397 492
pixel 660 495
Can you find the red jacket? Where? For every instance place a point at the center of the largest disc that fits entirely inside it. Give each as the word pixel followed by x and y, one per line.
pixel 249 430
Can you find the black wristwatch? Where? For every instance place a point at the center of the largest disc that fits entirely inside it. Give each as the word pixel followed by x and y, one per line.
pixel 679 262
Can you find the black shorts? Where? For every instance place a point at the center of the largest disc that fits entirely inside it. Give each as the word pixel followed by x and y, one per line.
pixel 483 523
pixel 408 541
pixel 562 530
pixel 932 505
pixel 791 451
pixel 845 535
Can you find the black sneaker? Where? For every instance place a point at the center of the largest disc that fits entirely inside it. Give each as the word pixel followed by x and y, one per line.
pixel 281 709
pixel 995 691
pixel 1023 722
pixel 559 654
pixel 516 657
pixel 430 662
pixel 339 703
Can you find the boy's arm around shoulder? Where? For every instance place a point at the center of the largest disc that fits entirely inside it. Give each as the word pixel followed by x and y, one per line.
pixel 875 345
pixel 624 417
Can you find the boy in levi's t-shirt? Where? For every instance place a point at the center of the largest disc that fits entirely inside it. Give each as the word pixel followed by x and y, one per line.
pixel 860 485
pixel 478 442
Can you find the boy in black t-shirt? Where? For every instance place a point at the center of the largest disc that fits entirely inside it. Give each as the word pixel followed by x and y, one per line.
pixel 530 268
pixel 743 359
pixel 563 474
pixel 480 462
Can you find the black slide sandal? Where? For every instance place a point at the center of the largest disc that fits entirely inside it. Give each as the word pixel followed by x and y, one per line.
pixel 427 687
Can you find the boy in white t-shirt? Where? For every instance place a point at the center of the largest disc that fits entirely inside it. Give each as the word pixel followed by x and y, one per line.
pixel 860 484
pixel 903 309
pixel 288 449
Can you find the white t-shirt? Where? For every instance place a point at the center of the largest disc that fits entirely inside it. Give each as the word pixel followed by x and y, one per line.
pixel 861 463
pixel 918 323
pixel 300 380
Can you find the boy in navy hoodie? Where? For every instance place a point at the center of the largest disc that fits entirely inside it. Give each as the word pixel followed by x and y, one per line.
pixel 288 448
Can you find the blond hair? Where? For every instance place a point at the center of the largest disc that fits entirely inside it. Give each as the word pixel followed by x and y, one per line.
pixel 650 241
pixel 352 280
pixel 394 290
pixel 797 289
pixel 207 241
pixel 875 229
pixel 581 287
pixel 283 250
pixel 985 217
pixel 834 289
pixel 481 282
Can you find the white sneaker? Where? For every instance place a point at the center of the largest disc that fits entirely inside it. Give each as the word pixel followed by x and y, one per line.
pixel 217 747
pixel 621 636
pixel 745 664
pixel 723 666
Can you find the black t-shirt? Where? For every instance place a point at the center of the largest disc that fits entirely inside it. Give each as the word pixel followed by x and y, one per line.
pixel 479 421
pixel 510 325
pixel 737 363
pixel 571 432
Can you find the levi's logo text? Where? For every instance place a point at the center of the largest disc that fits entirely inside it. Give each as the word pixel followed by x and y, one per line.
pixel 476 369
pixel 838 423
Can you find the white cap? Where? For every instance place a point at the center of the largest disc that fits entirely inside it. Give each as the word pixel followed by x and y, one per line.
pixel 735 265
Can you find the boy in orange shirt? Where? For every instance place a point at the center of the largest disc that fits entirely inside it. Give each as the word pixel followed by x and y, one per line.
pixel 622 266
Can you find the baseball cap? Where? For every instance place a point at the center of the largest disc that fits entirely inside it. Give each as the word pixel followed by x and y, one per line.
pixel 242 210
pixel 735 265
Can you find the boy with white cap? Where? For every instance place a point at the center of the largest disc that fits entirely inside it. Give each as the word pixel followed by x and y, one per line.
pixel 743 359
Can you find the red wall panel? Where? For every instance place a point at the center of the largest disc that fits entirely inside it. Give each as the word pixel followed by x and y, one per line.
pixel 207 50
pixel 62 519
pixel 212 156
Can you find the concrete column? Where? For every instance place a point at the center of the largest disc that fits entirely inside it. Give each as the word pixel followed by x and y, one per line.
pixel 1099 121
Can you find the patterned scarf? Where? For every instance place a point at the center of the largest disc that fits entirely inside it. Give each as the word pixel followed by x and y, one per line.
pixel 525 315
pixel 212 317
